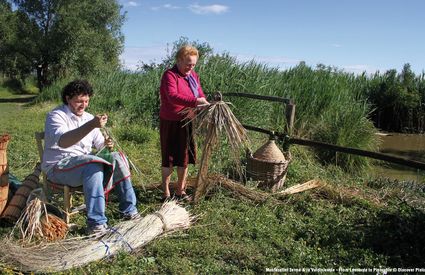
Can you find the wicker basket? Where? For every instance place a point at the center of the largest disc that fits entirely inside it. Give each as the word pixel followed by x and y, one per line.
pixel 4 140
pixel 268 165
pixel 4 172
pixel 18 202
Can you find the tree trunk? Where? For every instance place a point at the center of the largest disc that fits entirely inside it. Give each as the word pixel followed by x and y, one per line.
pixel 42 79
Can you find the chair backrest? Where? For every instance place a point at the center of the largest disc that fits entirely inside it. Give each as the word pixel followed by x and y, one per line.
pixel 39 137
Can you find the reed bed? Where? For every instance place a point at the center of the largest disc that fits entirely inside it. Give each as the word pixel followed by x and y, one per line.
pixel 126 236
pixel 331 105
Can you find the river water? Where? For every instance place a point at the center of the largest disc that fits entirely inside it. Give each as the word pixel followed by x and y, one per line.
pixel 411 146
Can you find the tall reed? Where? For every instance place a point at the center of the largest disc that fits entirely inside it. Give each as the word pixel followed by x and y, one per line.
pixel 330 106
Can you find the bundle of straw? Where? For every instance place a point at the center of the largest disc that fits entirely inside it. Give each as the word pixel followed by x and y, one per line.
pixel 29 224
pixel 53 227
pixel 301 187
pixel 126 236
pixel 215 120
pixel 36 223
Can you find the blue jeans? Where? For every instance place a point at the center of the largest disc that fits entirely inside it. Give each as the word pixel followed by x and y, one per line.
pixel 90 176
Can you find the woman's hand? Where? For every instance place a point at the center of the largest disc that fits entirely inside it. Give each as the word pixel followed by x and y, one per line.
pixel 99 121
pixel 201 102
pixel 109 143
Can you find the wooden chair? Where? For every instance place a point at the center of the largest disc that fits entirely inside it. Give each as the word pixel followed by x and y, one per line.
pixel 50 187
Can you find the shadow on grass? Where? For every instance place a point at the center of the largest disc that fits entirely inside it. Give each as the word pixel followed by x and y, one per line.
pixel 399 235
pixel 390 237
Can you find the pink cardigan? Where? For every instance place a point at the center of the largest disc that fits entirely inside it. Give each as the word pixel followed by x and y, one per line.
pixel 176 94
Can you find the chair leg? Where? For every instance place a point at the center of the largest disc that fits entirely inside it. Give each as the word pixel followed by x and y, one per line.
pixel 67 203
pixel 46 188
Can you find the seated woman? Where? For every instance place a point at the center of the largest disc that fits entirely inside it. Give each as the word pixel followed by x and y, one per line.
pixel 70 135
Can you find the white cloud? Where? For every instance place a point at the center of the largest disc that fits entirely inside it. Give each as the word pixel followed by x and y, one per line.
pixel 166 6
pixel 130 4
pixel 134 56
pixel 335 45
pixel 217 9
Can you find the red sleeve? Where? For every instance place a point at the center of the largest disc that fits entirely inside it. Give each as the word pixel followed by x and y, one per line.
pixel 170 88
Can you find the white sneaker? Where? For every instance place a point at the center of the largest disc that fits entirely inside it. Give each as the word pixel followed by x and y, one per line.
pixel 133 216
pixel 98 230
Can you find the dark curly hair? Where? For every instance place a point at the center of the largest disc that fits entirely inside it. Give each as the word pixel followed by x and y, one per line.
pixel 76 88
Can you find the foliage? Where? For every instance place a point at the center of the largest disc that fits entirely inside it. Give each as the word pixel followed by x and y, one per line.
pixel 59 37
pixel 204 49
pixel 398 100
pixel 12 63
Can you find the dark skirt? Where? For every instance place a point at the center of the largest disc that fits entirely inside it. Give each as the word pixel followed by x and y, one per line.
pixel 177 143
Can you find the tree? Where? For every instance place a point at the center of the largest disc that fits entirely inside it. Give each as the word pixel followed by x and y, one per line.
pixel 59 37
pixel 6 26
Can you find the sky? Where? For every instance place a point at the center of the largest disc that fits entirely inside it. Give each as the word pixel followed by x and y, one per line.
pixel 351 35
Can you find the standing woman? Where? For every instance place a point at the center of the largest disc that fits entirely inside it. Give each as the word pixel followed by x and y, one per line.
pixel 180 88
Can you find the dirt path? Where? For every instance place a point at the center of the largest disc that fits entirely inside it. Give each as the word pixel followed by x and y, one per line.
pixel 18 99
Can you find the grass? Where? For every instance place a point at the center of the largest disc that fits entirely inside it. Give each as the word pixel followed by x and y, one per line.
pixel 354 222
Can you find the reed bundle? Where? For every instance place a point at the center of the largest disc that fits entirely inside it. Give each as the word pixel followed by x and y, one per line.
pixel 69 253
pixel 36 223
pixel 219 119
pixel 214 121
pixel 240 190
pixel 29 224
pixel 301 187
pixel 53 227
pixel 258 196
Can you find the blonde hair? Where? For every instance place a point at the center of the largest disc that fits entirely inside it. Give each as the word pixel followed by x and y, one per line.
pixel 186 50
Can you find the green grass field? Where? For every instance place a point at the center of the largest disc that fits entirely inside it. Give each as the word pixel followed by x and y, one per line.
pixel 354 222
